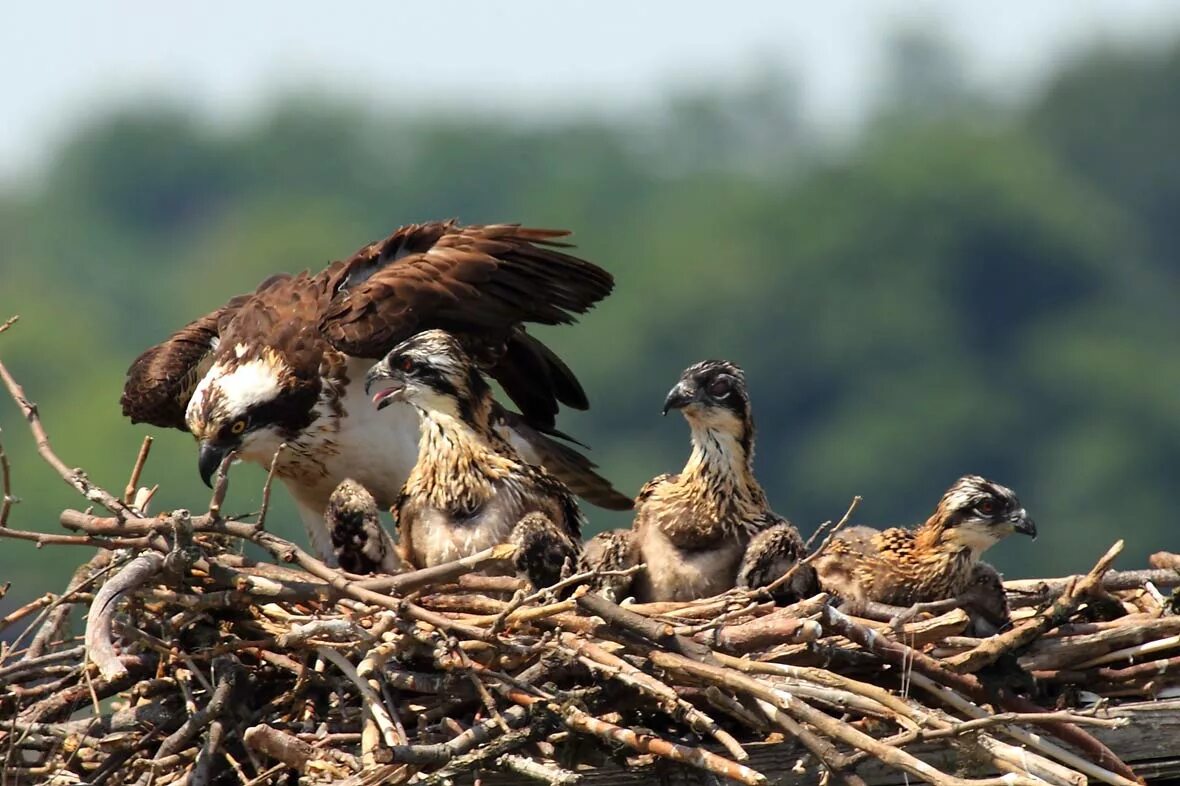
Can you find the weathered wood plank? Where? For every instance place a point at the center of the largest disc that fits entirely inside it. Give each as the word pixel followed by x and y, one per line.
pixel 1150 743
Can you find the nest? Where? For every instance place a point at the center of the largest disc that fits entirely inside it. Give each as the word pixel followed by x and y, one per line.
pixel 201 665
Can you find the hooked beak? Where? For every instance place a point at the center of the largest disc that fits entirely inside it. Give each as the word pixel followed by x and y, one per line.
pixel 394 387
pixel 209 459
pixel 1023 524
pixel 679 397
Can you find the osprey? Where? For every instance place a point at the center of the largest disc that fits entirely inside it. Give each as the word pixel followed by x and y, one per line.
pixel 936 561
pixel 470 490
pixel 286 363
pixel 709 528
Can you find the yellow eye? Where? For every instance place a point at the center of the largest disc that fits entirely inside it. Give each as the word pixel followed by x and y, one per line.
pixel 238 427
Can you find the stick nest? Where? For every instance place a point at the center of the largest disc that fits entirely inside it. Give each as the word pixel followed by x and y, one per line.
pixel 201 665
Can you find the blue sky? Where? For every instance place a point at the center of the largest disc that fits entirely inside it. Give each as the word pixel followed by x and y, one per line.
pixel 61 62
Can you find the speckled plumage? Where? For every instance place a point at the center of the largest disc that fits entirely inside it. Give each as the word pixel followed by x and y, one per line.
pixel 469 489
pixel 694 529
pixel 936 561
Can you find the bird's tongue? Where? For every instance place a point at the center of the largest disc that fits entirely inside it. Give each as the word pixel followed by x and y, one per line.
pixel 381 395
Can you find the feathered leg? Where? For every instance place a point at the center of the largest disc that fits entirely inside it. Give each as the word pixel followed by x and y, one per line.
pixel 769 555
pixel 610 550
pixel 359 543
pixel 543 550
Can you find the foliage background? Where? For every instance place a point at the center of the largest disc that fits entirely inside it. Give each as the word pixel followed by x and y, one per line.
pixel 967 283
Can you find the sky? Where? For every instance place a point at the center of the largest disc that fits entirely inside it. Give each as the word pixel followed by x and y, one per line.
pixel 63 62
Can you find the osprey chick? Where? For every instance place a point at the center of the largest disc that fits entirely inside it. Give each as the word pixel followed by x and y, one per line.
pixel 469 490
pixel 284 363
pixel 709 528
pixel 936 561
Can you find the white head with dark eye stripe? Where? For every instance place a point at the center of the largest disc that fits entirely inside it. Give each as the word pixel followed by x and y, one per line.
pixel 430 371
pixel 976 513
pixel 712 394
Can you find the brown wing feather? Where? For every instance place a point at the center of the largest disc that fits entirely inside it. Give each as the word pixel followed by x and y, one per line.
pixel 161 380
pixel 477 280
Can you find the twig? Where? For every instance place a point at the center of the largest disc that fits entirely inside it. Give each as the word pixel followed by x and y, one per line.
pixel 6 477
pixel 580 721
pixel 270 476
pixel 133 483
pixel 907 658
pixel 99 648
pixel 535 770
pixel 790 574
pixel 991 649
pixel 59 612
pixel 279 745
pixel 73 477
pixel 372 700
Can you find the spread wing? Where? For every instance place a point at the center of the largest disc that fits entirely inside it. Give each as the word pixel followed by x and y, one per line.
pixel 161 380
pixel 479 282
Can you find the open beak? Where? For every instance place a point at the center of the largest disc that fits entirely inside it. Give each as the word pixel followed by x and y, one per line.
pixel 679 397
pixel 1023 524
pixel 393 387
pixel 209 459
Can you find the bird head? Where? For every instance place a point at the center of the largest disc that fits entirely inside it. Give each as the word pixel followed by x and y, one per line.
pixel 249 402
pixel 977 513
pixel 712 394
pixel 430 371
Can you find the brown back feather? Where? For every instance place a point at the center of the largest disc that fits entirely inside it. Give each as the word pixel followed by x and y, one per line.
pixel 161 380
pixel 476 280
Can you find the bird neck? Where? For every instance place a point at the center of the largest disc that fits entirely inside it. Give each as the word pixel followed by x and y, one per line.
pixel 722 461
pixel 456 452
pixel 934 536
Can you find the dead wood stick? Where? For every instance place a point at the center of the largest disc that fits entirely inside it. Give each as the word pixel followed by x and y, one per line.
pixel 371 699
pixel 83 576
pixel 826 724
pixel 285 551
pixel 537 771
pixel 215 708
pixel 1133 652
pixel 992 648
pixel 1035 741
pixel 907 658
pixel 442 752
pixel 776 628
pixel 404 583
pixel 1025 592
pixel 75 478
pixel 202 772
pixel 279 745
pixel 19 613
pixel 19 669
pixel 8 500
pixel 906 715
pixel 580 721
pixel 100 649
pixel 264 506
pixel 831 534
pixel 619 619
pixel 672 704
pixel 63 702
pixel 1060 652
pixel 473 759
pixel 129 491
pixel 52 539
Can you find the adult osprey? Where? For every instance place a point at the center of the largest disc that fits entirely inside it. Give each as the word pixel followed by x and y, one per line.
pixel 286 363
